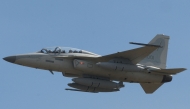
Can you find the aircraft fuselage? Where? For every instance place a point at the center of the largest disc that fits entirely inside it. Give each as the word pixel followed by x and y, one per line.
pixel 67 66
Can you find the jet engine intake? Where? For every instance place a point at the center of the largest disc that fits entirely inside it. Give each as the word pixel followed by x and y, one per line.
pixel 83 65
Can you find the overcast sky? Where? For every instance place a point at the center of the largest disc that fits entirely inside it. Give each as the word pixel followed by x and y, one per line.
pixel 99 26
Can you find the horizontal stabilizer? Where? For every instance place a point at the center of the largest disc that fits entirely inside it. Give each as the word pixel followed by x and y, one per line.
pixel 150 87
pixel 168 71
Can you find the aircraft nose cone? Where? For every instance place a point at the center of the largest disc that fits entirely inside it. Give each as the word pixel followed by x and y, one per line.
pixel 11 59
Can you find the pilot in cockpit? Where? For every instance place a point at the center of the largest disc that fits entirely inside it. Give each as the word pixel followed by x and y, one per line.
pixel 63 51
pixel 70 51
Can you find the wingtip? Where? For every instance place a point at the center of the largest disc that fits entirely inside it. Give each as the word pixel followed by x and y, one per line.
pixel 184 69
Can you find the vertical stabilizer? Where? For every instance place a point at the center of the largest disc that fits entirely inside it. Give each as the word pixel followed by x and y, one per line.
pixel 158 57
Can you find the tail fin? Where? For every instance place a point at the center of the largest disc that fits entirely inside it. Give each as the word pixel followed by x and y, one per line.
pixel 158 57
pixel 150 87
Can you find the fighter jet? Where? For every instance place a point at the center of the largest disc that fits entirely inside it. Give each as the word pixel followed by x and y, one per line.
pixel 94 73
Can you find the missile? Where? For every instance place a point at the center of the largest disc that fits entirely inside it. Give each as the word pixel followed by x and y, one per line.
pixel 97 83
pixel 90 89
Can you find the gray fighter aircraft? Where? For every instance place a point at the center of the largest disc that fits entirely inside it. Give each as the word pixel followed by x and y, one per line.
pixel 94 73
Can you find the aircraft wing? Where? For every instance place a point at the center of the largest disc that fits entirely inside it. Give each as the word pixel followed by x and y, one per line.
pixel 134 55
pixel 150 87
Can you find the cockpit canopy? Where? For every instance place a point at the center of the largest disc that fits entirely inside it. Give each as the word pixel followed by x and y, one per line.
pixel 64 50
